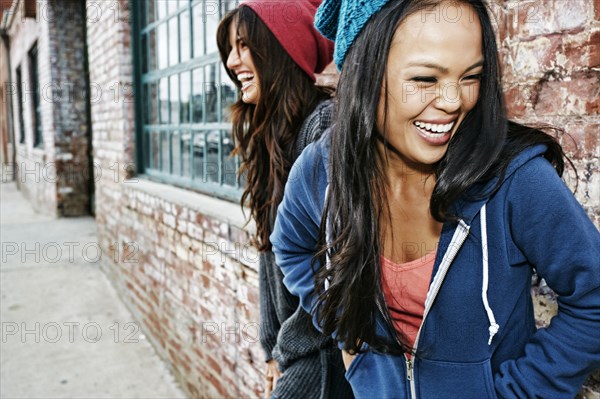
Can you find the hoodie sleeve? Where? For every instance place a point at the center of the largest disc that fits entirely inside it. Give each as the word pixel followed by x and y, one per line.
pixel 552 230
pixel 296 230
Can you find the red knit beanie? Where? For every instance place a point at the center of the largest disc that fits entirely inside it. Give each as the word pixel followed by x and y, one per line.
pixel 292 23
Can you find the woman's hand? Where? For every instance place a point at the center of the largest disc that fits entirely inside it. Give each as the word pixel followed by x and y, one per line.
pixel 272 374
pixel 328 79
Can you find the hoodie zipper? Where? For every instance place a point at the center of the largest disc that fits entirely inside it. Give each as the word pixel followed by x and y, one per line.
pixel 458 239
pixel 409 370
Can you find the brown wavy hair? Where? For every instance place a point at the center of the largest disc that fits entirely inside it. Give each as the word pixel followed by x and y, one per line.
pixel 265 133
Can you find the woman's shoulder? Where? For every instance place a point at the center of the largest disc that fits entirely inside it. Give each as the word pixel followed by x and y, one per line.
pixel 323 112
pixel 527 170
pixel 312 162
pixel 317 122
pixel 532 182
pixel 308 178
pixel 326 108
pixel 532 150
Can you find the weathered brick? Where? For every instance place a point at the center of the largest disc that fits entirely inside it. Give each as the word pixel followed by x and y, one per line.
pixel 531 18
pixel 577 96
pixel 533 58
pixel 594 49
pixel 518 100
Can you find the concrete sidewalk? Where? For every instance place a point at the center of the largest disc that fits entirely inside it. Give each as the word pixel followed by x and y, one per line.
pixel 65 333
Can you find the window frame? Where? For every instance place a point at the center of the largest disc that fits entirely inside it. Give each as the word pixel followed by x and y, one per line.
pixel 148 80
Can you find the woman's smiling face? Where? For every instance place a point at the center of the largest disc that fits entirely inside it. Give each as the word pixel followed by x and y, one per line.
pixel 433 78
pixel 241 63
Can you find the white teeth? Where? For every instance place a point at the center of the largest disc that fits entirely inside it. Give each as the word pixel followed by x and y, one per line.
pixel 435 128
pixel 245 76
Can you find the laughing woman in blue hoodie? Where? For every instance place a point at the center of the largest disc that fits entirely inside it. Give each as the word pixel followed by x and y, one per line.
pixel 411 230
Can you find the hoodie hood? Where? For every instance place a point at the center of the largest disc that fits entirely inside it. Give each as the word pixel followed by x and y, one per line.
pixel 468 208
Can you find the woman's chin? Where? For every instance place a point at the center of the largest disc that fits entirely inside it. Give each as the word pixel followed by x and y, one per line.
pixel 250 97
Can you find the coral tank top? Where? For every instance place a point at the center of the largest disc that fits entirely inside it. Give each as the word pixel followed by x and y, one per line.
pixel 405 288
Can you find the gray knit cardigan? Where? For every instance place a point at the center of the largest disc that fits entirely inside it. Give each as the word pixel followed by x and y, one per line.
pixel 311 362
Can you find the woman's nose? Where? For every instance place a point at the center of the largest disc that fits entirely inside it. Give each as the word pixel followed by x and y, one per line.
pixel 233 60
pixel 449 98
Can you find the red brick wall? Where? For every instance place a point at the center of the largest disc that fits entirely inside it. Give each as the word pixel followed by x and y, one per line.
pixel 66 27
pixel 193 282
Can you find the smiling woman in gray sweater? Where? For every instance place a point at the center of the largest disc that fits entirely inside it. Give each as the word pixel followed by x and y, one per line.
pixel 280 110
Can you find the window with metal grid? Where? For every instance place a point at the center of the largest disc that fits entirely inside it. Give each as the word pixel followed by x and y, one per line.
pixel 183 93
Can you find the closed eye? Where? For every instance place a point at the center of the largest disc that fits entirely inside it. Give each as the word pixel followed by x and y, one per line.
pixel 424 79
pixel 477 76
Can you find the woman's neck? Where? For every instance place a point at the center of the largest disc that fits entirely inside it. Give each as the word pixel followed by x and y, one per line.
pixel 404 177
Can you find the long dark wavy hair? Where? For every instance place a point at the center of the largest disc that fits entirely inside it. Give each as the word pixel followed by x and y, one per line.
pixel 265 133
pixel 482 148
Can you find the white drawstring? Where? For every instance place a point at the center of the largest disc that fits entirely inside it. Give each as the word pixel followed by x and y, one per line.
pixel 494 327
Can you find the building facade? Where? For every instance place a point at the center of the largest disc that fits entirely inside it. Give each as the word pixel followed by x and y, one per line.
pixel 119 108
pixel 48 92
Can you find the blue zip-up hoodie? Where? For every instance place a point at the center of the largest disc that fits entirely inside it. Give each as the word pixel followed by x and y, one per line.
pixel 478 338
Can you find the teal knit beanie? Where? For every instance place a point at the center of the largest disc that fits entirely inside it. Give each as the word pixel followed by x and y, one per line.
pixel 342 21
